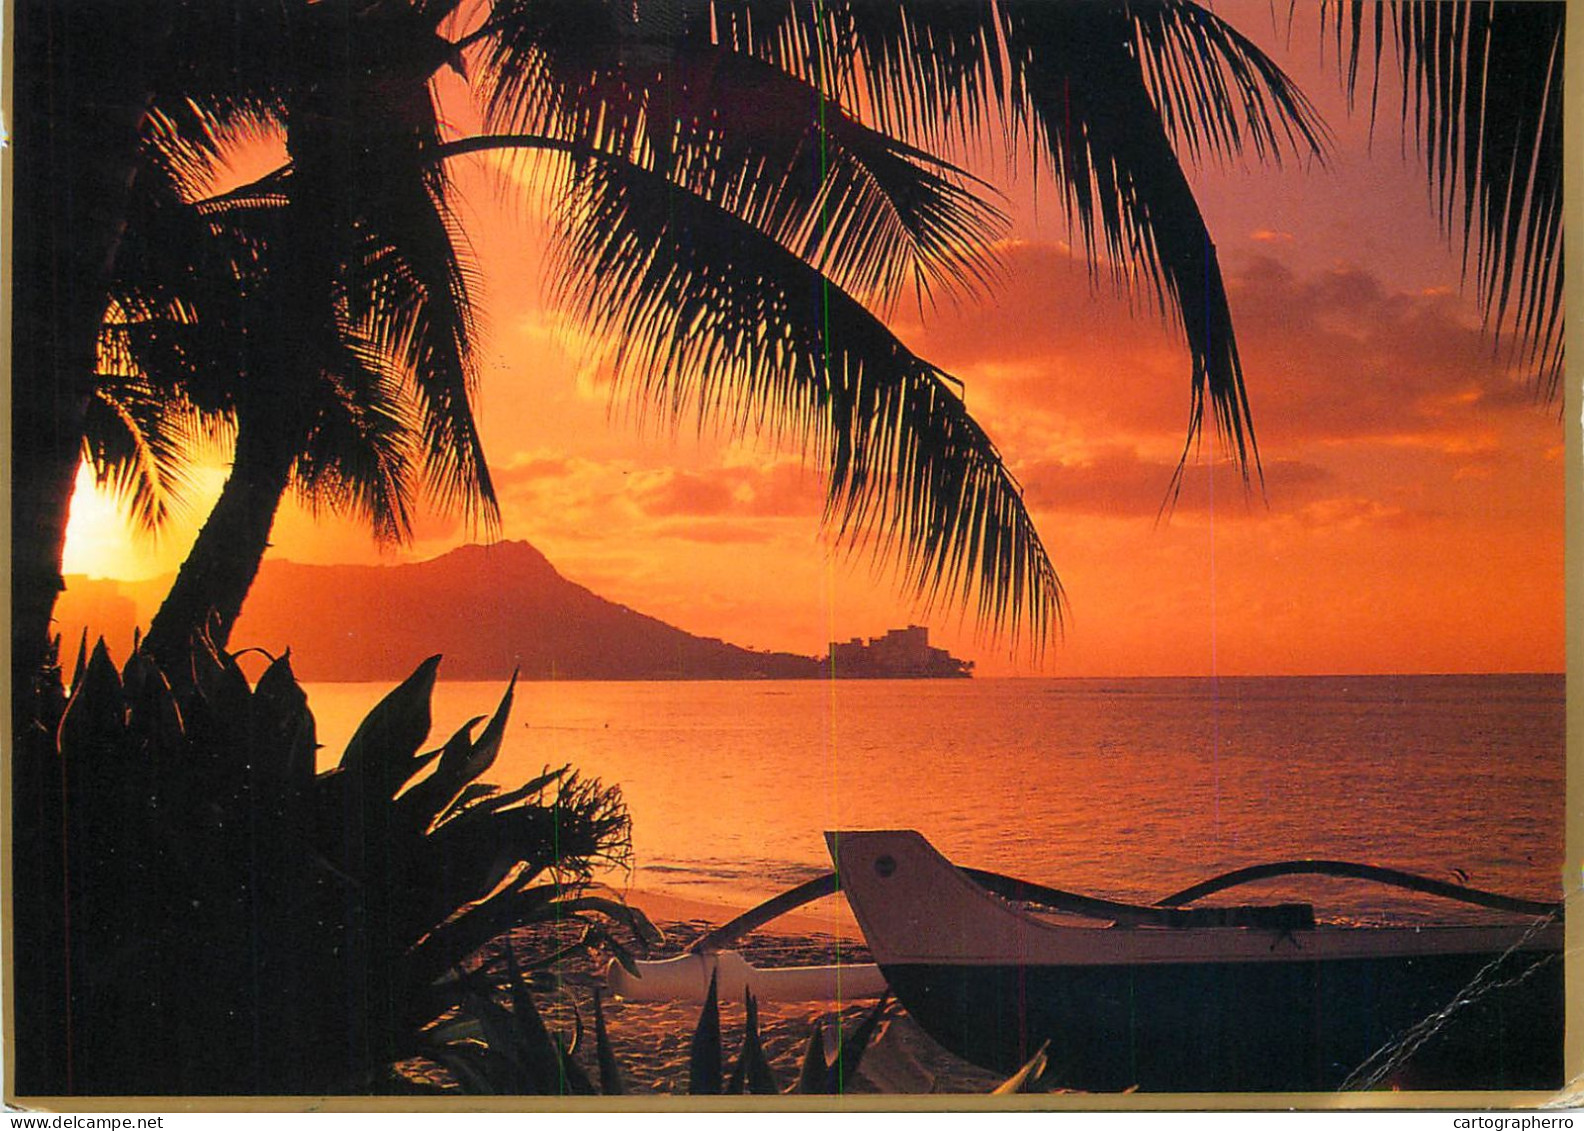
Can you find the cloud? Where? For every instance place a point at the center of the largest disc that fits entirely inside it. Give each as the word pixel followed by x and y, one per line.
pixel 717 532
pixel 718 496
pixel 530 469
pixel 1336 355
pixel 1331 355
pixel 779 489
pixel 666 493
pixel 1117 482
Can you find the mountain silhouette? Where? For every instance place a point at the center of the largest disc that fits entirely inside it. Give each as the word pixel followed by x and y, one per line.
pixel 488 609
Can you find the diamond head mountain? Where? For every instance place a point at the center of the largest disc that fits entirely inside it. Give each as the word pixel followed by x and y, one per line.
pixel 487 609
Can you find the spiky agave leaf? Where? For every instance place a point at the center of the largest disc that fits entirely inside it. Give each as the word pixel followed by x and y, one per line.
pixel 853 1046
pixel 1024 1078
pixel 1484 83
pixel 812 1072
pixel 568 1075
pixel 385 744
pixel 423 801
pixel 752 1074
pixel 704 1053
pixel 565 838
pixel 610 1073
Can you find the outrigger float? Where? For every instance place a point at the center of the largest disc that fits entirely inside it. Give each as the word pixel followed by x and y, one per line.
pixel 1171 997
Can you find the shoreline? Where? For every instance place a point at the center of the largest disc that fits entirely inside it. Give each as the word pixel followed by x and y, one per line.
pixel 652 1040
pixel 829 917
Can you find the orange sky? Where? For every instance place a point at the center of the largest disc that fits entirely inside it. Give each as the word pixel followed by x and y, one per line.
pixel 1413 518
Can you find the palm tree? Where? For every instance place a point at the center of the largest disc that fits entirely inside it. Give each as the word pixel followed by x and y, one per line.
pixel 725 222
pixel 1485 84
pixel 361 308
pixel 673 103
pixel 95 86
pixel 224 351
pixel 732 116
pixel 78 116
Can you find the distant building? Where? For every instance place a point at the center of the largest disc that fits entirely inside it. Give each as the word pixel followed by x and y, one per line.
pixel 902 653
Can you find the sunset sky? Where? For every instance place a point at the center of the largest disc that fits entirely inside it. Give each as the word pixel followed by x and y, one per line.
pixel 1413 510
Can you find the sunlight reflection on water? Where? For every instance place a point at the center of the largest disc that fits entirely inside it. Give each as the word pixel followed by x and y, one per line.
pixel 1127 788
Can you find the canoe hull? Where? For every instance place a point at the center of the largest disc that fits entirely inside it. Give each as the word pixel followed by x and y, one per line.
pixel 1206 1009
pixel 1242 1027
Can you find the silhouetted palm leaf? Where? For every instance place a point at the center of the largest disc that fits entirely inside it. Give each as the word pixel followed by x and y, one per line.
pixel 357 457
pixel 1104 89
pixel 707 314
pixel 370 203
pixel 724 216
pixel 1103 93
pixel 868 210
pixel 1484 83
pixel 140 443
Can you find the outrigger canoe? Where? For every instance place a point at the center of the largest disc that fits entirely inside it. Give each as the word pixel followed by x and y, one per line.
pixel 1183 999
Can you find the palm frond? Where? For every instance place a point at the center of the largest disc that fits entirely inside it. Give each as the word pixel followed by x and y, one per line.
pixel 1081 94
pixel 871 212
pixel 1482 98
pixel 943 71
pixel 191 142
pixel 140 443
pixel 357 457
pixel 1217 93
pixel 217 85
pixel 933 72
pixel 416 308
pixel 1108 91
pixel 708 315
pixel 182 305
pixel 407 283
pixel 394 356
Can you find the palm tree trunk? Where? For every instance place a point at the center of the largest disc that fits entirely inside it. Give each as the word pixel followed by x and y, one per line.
pixel 82 87
pixel 214 580
pixel 82 96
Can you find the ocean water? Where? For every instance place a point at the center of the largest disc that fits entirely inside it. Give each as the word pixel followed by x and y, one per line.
pixel 1125 788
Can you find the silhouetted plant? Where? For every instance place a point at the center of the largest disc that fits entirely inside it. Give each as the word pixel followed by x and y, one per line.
pixel 495 1048
pixel 503 1047
pixel 1485 85
pixel 216 917
pixel 715 175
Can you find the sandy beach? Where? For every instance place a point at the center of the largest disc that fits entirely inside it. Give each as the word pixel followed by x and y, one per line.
pixel 651 1040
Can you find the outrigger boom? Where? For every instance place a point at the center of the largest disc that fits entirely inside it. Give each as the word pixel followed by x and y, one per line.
pixel 1168 997
pixel 1256 1000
